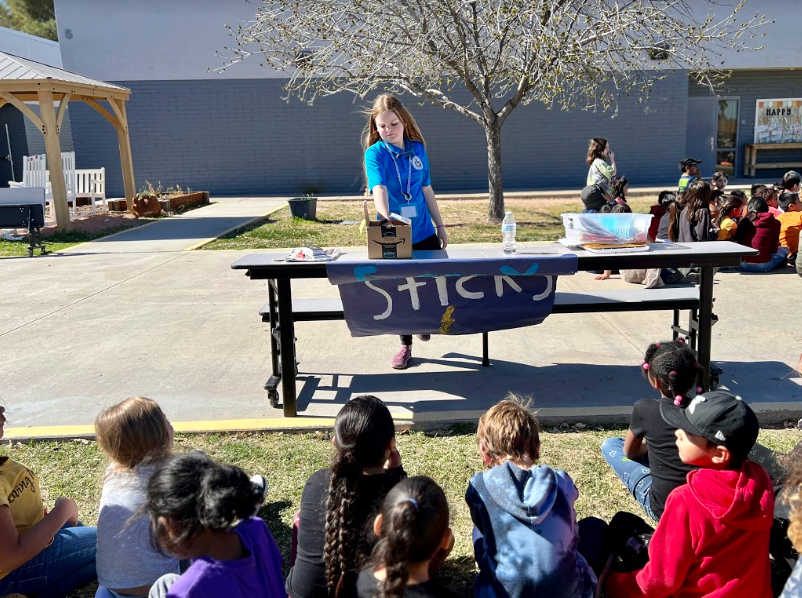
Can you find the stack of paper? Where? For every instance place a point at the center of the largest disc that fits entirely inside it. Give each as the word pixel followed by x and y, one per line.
pixel 312 253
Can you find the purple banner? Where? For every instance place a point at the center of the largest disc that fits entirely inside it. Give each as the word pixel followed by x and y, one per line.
pixel 447 296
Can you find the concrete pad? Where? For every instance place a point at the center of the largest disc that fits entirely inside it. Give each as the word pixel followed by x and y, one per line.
pixel 186 231
pixel 83 331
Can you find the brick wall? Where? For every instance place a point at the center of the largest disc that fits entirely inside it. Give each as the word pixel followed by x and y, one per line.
pixel 234 137
pixel 750 86
pixel 36 139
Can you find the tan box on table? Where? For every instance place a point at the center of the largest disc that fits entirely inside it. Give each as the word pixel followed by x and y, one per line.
pixel 388 241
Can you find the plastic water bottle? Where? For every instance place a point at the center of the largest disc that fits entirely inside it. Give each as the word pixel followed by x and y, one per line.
pixel 508 232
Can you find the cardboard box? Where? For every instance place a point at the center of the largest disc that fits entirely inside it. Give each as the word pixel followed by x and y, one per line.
pixel 388 240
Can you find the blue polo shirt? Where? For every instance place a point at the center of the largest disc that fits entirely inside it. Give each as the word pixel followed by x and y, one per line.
pixel 381 171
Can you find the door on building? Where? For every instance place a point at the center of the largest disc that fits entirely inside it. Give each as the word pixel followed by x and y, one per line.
pixel 712 134
pixel 700 141
pixel 727 135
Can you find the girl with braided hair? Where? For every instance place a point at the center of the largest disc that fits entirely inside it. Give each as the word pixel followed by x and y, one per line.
pixel 647 460
pixel 414 539
pixel 339 503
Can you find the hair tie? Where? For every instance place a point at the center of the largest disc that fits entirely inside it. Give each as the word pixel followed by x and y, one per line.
pixel 678 400
pixel 672 373
pixel 681 341
pixel 645 366
pixel 642 361
pixel 412 500
pixel 657 345
pixel 699 389
pixel 696 365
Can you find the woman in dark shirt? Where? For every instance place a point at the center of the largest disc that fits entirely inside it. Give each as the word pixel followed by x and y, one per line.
pixel 339 504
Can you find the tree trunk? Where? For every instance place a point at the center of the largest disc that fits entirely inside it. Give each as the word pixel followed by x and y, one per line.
pixel 495 179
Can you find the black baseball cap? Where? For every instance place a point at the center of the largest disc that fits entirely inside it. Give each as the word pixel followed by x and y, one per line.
pixel 722 418
pixel 689 162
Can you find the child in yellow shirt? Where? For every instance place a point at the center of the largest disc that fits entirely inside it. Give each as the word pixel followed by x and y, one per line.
pixel 727 221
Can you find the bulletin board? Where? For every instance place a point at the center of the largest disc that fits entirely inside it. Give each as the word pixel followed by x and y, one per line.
pixel 778 121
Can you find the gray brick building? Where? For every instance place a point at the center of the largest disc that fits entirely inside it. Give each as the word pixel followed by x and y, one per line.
pixel 233 133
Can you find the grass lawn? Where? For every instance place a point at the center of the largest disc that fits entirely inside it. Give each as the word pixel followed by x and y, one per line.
pixel 75 469
pixel 337 224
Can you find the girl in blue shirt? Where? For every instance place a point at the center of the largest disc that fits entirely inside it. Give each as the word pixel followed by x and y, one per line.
pixel 397 170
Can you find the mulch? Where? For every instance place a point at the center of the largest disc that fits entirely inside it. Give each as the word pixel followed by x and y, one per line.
pixel 97 223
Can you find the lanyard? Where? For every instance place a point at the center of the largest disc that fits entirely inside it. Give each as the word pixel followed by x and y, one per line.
pixel 408 194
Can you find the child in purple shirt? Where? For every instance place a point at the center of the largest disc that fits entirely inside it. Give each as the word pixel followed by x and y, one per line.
pixel 202 511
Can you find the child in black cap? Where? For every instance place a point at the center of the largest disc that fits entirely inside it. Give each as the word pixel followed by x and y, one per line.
pixel 690 172
pixel 713 538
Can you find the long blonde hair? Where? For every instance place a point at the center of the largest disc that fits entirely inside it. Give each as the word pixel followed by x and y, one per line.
pixel 793 484
pixel 387 102
pixel 134 431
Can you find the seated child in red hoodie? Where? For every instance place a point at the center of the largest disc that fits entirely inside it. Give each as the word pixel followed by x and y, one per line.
pixel 760 230
pixel 713 538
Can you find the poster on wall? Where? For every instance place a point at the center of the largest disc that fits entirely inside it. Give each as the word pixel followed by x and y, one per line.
pixel 778 121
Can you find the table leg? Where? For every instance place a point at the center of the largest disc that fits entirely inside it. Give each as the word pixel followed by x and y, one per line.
pixel 272 295
pixel 287 344
pixel 705 323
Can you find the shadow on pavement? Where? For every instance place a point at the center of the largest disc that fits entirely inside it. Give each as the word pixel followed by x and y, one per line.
pixel 574 385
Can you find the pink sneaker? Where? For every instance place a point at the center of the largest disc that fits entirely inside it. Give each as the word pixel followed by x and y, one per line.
pixel 401 359
pixel 424 337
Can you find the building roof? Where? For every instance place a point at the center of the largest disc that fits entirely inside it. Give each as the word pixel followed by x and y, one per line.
pixel 16 68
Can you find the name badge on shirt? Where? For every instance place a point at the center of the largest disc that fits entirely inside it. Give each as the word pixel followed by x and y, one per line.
pixel 409 211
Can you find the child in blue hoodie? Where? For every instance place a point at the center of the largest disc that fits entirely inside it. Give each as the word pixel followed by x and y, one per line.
pixel 526 536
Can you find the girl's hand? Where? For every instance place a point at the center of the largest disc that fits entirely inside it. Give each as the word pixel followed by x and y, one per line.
pixel 67 508
pixel 442 235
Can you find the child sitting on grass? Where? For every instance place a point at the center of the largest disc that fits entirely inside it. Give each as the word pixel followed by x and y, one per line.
pixel 713 539
pixel 339 501
pixel 793 484
pixel 414 539
pixel 647 460
pixel 137 438
pixel 44 553
pixel 202 511
pixel 526 536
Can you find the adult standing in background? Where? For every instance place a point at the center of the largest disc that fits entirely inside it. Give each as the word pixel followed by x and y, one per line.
pixel 601 160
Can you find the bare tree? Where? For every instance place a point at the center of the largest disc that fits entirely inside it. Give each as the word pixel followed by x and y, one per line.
pixel 568 54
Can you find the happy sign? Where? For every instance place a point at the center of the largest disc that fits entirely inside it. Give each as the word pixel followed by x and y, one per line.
pixel 447 296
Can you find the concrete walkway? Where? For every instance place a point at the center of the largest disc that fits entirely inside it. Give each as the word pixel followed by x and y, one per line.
pixel 185 231
pixel 137 314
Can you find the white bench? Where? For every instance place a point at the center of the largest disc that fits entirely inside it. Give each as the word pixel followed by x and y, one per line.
pixel 91 184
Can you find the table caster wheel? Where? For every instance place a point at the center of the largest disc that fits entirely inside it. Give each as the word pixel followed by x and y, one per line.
pixel 272 397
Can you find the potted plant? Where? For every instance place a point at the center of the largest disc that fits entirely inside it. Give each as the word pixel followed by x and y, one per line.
pixel 304 207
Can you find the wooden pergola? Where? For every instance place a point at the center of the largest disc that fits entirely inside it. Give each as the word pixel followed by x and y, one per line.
pixel 23 80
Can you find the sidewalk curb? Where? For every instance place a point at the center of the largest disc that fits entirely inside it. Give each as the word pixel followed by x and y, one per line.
pixel 768 414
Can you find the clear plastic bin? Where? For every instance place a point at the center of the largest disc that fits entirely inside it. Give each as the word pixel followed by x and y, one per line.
pixel 606 228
